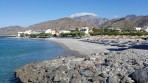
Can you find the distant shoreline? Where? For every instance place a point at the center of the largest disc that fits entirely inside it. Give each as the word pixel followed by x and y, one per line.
pixel 8 36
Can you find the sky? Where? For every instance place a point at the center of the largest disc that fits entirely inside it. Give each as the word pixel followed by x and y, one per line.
pixel 28 12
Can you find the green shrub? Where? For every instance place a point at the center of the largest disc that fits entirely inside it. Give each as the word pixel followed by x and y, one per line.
pixel 33 35
pixel 115 32
pixel 22 35
pixel 45 35
pixel 73 34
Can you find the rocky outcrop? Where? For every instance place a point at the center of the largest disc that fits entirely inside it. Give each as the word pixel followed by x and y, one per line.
pixel 92 19
pixel 128 22
pixel 113 67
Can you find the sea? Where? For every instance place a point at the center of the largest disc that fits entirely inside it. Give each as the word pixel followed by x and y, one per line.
pixel 16 52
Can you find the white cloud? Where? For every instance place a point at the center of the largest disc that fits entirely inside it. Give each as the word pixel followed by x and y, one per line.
pixel 115 16
pixel 82 14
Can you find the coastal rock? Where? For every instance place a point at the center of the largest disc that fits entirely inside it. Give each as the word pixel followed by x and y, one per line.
pixel 116 67
pixel 113 79
pixel 104 75
pixel 87 73
pixel 79 79
pixel 127 79
pixel 140 76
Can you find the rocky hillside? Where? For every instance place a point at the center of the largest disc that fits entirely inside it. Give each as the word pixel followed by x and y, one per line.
pixel 129 21
pixel 11 30
pixel 92 19
pixel 63 23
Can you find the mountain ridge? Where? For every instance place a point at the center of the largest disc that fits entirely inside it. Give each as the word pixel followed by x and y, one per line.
pixel 91 21
pixel 127 22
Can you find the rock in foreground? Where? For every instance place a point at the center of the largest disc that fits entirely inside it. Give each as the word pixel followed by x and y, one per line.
pixel 98 68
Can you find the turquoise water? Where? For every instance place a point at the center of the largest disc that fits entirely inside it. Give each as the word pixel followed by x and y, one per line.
pixel 17 52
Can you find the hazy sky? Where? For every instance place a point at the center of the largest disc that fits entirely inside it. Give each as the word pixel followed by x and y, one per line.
pixel 28 12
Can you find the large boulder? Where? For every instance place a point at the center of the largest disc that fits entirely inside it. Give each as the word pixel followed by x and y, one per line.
pixel 87 73
pixel 140 76
pixel 113 79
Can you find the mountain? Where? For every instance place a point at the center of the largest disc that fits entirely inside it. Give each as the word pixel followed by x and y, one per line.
pixel 80 20
pixel 91 19
pixel 11 30
pixel 129 21
pixel 63 23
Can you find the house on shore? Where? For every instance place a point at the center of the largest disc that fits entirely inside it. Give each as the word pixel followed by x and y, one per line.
pixel 19 34
pixel 145 28
pixel 27 32
pixel 117 29
pixel 84 29
pixel 37 32
pixel 138 28
pixel 64 31
pixel 50 31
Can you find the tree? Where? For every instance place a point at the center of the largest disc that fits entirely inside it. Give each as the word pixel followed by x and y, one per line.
pixel 33 35
pixel 45 35
pixel 22 35
pixel 73 34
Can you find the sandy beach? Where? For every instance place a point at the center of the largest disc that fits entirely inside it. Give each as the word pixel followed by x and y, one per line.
pixel 83 48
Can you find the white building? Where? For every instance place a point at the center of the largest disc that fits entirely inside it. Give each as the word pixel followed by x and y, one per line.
pixel 84 29
pixel 19 34
pixel 64 31
pixel 27 32
pixel 146 29
pixel 50 31
pixel 138 28
pixel 30 32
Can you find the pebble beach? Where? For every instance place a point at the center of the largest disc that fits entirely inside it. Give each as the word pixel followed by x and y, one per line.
pixel 102 62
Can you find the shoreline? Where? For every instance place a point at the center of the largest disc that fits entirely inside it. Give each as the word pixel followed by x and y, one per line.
pixel 113 66
pixel 67 49
pixel 81 48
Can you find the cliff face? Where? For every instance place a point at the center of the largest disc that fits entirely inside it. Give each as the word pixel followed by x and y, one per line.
pixel 92 19
pixel 129 21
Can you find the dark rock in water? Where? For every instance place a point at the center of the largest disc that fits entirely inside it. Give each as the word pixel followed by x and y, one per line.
pixel 140 76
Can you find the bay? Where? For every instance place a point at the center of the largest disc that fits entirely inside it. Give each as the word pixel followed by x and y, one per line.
pixel 16 52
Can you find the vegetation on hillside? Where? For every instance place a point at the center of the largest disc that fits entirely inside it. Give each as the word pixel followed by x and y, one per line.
pixel 72 34
pixel 106 31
